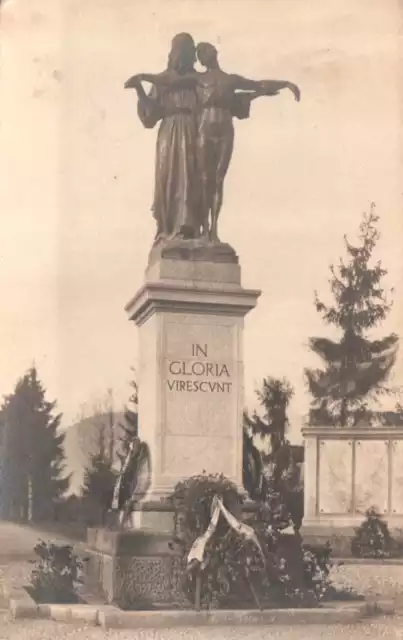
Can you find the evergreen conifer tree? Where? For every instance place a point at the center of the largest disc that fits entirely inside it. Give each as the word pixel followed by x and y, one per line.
pixel 357 366
pixel 274 398
pixel 32 452
pixel 98 485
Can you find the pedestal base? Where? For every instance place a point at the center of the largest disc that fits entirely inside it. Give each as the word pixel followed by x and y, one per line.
pixel 138 567
pixel 197 250
pixel 153 516
pixel 133 569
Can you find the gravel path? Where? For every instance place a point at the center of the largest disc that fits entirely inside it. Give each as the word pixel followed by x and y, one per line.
pixel 43 630
pixel 385 581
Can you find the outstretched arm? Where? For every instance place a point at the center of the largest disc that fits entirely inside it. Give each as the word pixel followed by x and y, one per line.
pixel 272 87
pixel 265 87
pixel 149 108
pixel 244 84
pixel 165 79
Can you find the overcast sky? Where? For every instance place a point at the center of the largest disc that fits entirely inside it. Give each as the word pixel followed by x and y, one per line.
pixel 77 175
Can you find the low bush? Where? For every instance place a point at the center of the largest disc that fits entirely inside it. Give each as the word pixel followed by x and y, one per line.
pixel 372 538
pixel 55 578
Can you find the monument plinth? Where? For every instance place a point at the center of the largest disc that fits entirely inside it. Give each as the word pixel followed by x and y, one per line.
pixel 190 316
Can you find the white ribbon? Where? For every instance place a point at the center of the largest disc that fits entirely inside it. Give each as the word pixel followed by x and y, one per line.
pixel 288 531
pixel 198 548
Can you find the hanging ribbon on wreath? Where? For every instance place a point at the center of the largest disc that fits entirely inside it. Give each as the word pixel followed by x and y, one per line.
pixel 197 551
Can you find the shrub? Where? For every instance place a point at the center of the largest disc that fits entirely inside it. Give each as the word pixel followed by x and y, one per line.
pixel 301 576
pixel 372 539
pixel 56 574
pixel 233 568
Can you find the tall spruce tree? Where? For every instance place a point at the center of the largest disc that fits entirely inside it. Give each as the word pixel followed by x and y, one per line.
pixel 32 452
pixel 357 366
pixel 274 398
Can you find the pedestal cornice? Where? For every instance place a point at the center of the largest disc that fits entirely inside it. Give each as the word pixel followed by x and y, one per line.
pixel 180 298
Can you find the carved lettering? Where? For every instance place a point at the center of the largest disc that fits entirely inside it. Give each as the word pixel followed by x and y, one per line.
pixel 224 370
pixel 209 369
pixel 176 371
pixel 199 369
pixel 192 386
pixel 198 350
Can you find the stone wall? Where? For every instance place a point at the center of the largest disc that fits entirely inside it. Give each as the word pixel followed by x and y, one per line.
pixel 349 470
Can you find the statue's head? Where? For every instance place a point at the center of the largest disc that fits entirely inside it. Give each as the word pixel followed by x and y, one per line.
pixel 207 54
pixel 183 53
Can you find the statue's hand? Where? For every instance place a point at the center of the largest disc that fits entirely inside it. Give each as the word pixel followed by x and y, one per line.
pixel 133 82
pixel 295 90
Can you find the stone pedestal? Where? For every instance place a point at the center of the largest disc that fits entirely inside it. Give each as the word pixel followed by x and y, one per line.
pixel 190 315
pixel 133 569
pixel 138 568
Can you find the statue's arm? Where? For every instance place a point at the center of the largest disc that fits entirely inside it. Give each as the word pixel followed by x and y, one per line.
pixel 240 83
pixel 149 108
pixel 264 87
pixel 272 87
pixel 164 79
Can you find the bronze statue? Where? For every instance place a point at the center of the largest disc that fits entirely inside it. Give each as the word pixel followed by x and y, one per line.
pixel 219 96
pixel 176 196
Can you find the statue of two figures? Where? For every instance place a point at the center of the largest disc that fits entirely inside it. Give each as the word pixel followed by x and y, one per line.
pixel 196 135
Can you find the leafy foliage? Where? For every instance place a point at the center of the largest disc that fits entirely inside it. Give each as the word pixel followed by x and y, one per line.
pixel 56 575
pixel 356 367
pixel 372 539
pixel 233 568
pixel 305 569
pixel 32 451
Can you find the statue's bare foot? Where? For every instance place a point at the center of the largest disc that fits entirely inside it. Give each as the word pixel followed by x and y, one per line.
pixel 185 233
pixel 160 237
pixel 214 236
